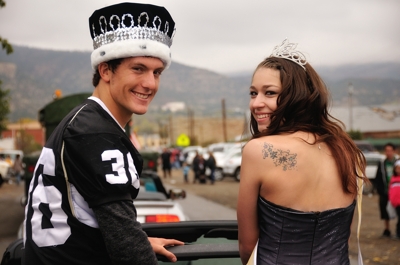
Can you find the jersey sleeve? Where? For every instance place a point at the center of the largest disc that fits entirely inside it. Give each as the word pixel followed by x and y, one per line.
pixel 101 167
pixel 125 240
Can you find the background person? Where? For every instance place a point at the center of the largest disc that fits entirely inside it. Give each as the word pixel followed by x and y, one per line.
pixel 18 168
pixel 211 164
pixel 298 174
pixel 185 169
pixel 79 208
pixel 166 163
pixel 394 194
pixel 382 180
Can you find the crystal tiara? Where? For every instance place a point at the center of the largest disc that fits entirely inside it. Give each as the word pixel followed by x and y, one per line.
pixel 288 51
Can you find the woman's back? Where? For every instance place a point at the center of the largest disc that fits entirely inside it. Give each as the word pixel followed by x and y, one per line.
pixel 294 173
pixel 298 207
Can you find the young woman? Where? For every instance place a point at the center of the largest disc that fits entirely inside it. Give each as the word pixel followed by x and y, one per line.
pixel 299 171
pixel 394 194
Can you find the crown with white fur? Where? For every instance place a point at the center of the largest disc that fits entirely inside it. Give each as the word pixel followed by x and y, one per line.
pixel 288 51
pixel 130 30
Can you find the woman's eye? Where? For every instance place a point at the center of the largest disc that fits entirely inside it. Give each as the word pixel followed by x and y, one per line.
pixel 252 93
pixel 269 93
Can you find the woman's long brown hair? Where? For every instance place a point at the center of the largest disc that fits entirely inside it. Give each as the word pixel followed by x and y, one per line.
pixel 302 105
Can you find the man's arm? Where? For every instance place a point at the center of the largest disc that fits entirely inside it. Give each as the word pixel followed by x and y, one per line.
pixel 125 240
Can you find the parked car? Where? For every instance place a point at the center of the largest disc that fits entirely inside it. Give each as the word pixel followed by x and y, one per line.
pixel 154 204
pixel 365 146
pixel 372 160
pixel 189 153
pixel 221 152
pixel 6 173
pixel 231 164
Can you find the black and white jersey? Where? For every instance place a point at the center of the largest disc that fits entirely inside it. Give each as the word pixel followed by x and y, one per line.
pixel 88 161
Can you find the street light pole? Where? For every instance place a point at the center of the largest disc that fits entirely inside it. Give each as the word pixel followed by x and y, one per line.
pixel 351 92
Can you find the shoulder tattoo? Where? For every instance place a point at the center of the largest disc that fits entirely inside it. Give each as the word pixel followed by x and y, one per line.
pixel 280 158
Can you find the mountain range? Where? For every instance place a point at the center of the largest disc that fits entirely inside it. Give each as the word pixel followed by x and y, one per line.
pixel 32 75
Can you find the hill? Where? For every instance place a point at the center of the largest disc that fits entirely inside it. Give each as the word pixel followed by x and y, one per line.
pixel 32 75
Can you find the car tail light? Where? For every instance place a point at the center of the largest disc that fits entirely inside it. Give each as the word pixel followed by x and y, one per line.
pixel 31 168
pixel 162 218
pixel 151 164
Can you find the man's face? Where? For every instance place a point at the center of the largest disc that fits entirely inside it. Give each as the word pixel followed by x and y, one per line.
pixel 389 152
pixel 133 86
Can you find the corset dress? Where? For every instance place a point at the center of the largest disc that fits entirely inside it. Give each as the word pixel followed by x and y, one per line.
pixel 292 237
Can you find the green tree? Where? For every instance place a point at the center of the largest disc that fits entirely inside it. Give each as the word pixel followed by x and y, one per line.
pixel 4 43
pixel 4 108
pixel 4 94
pixel 355 134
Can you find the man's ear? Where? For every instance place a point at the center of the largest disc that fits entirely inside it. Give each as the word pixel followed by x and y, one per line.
pixel 104 71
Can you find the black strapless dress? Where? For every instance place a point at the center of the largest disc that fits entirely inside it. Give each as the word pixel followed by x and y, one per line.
pixel 292 237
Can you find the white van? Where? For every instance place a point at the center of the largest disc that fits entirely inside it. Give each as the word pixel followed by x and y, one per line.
pixel 7 157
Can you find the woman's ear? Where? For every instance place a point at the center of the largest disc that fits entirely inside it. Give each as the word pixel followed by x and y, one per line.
pixel 104 71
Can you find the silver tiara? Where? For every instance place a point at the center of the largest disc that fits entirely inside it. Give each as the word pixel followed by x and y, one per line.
pixel 132 31
pixel 288 51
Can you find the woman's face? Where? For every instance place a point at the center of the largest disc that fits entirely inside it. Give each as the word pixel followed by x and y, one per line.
pixel 264 91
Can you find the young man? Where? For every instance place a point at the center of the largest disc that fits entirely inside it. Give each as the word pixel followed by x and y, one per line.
pixel 80 208
pixel 382 179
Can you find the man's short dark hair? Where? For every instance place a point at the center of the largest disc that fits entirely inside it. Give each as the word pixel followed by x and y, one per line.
pixel 391 145
pixel 112 64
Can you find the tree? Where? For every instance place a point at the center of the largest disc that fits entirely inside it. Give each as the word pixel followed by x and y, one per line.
pixel 4 108
pixel 4 94
pixel 4 43
pixel 355 134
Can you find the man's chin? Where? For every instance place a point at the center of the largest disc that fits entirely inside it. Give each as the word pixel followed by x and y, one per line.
pixel 140 112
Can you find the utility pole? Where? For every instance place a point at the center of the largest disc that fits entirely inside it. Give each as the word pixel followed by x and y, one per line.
pixel 171 131
pixel 351 92
pixel 224 120
pixel 190 124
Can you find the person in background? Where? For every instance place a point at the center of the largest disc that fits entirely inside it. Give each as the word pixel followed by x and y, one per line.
pixel 394 194
pixel 299 171
pixel 186 169
pixel 196 167
pixel 211 164
pixel 382 179
pixel 166 163
pixel 18 168
pixel 80 206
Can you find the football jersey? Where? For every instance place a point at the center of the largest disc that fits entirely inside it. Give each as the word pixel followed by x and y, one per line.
pixel 88 161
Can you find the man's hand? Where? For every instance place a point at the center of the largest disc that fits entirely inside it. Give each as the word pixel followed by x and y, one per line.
pixel 159 244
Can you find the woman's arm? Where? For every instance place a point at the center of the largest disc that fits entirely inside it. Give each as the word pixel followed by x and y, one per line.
pixel 247 200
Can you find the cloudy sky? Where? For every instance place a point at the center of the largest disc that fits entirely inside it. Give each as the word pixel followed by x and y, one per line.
pixel 228 36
